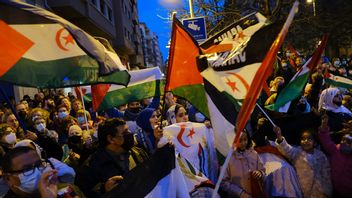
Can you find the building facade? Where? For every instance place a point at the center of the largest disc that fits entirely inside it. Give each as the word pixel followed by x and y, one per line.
pixel 114 20
pixel 150 45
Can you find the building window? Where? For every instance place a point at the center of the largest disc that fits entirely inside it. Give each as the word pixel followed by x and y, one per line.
pixel 110 14
pixel 102 7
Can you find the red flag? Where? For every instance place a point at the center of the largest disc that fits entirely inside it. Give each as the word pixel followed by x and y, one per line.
pixel 182 65
pixel 98 93
pixel 316 57
pixel 78 92
pixel 262 74
pixel 292 50
pixel 183 77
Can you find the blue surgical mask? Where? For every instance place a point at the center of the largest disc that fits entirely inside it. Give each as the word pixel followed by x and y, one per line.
pixel 81 119
pixel 29 184
pixel 40 127
pixel 62 115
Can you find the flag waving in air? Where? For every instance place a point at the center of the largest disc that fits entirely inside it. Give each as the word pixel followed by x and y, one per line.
pixel 296 85
pixel 41 49
pixel 229 74
pixel 183 77
pixel 144 83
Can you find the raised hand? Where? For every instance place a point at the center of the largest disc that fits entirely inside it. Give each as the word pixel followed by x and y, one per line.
pixel 48 184
pixel 277 131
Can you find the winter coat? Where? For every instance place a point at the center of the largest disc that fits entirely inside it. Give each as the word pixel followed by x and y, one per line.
pixel 238 171
pixel 341 165
pixel 102 165
pixel 313 170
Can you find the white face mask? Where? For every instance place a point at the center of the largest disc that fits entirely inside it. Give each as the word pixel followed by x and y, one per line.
pixel 40 127
pixel 10 138
pixel 29 184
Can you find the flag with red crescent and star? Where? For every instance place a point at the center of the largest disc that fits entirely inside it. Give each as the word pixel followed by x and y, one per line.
pixel 41 49
pixel 228 73
pixel 195 143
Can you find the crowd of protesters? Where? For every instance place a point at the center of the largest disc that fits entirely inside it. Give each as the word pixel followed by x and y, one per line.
pixel 65 149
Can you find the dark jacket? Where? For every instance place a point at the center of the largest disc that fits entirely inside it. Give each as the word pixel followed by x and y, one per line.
pixel 101 166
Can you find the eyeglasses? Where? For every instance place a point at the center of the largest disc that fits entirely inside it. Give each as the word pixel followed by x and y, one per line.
pixel 30 169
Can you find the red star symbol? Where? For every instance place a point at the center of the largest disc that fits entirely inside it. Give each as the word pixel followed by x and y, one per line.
pixel 241 35
pixel 191 133
pixel 232 85
pixel 69 39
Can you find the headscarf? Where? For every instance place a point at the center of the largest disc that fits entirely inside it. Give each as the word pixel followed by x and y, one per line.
pixel 143 119
pixel 171 113
pixel 326 102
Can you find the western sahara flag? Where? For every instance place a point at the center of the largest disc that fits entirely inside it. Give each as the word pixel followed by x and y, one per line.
pixel 195 143
pixel 158 177
pixel 144 83
pixel 228 75
pixel 41 49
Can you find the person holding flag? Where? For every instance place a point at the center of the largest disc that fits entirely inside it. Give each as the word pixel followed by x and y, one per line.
pixel 244 172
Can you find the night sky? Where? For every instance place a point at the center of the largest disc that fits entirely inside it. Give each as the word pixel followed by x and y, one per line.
pixel 148 11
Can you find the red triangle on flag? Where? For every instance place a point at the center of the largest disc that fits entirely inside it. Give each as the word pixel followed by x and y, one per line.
pixel 13 46
pixel 78 92
pixel 98 93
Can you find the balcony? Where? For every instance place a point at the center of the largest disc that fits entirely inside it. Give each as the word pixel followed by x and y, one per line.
pixel 85 15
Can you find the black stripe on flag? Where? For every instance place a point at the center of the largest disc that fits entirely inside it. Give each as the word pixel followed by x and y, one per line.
pixel 222 102
pixel 141 180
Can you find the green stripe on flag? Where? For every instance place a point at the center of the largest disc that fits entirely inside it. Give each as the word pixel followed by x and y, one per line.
pixel 195 94
pixel 61 73
pixel 290 92
pixel 129 94
pixel 338 83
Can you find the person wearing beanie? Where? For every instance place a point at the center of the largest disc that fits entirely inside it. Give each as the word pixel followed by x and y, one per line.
pixel 147 122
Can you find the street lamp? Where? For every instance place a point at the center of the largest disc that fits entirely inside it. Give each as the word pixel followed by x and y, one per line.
pixel 191 8
pixel 312 1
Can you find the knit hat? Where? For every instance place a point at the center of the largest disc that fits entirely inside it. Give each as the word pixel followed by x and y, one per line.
pixel 143 119
pixel 75 130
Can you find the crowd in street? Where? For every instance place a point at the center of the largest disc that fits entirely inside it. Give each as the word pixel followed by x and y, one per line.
pixel 64 149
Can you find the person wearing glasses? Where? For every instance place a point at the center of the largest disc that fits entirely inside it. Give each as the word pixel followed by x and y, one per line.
pixel 22 169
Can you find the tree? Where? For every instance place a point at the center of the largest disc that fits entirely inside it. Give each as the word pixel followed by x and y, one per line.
pixel 332 17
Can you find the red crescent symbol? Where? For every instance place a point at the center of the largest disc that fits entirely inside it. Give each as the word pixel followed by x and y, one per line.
pixel 243 81
pixel 179 136
pixel 58 42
